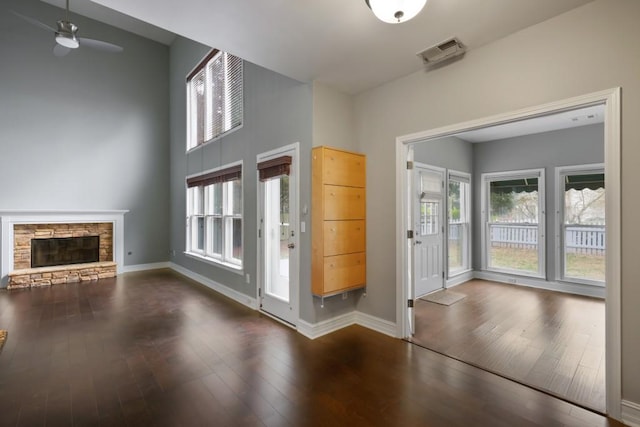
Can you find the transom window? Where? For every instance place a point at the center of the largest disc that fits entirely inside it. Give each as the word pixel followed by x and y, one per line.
pixel 214 216
pixel 513 210
pixel 214 98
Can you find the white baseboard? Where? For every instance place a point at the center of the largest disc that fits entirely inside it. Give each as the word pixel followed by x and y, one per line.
pixel 316 330
pixel 459 279
pixel 375 323
pixel 631 413
pixel 144 267
pixel 212 284
pixel 571 288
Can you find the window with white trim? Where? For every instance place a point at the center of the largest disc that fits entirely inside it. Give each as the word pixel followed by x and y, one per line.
pixel 513 216
pixel 581 202
pixel 214 98
pixel 459 228
pixel 214 216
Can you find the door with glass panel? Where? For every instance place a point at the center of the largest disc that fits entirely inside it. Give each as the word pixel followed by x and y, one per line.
pixel 459 231
pixel 428 230
pixel 278 234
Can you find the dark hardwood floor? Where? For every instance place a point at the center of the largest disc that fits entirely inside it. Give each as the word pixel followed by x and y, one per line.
pixel 549 340
pixel 154 348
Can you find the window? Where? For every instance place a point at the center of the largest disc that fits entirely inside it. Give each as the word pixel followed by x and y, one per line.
pixel 214 98
pixel 513 215
pixel 581 202
pixel 459 232
pixel 214 216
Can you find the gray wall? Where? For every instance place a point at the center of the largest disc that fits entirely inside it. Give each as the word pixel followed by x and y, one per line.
pixel 277 112
pixel 450 153
pixel 88 131
pixel 577 146
pixel 547 62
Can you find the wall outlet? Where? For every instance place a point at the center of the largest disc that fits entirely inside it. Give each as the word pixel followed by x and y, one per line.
pixel 247 278
pixel 512 281
pixel 345 295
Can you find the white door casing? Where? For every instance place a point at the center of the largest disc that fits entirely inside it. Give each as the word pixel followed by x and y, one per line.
pixel 611 99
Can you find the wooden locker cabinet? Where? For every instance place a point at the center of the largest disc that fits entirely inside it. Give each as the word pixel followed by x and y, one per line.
pixel 338 221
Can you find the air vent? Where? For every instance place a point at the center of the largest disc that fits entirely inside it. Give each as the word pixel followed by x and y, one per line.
pixel 442 51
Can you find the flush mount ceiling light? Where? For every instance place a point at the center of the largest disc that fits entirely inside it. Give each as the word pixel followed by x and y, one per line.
pixel 395 11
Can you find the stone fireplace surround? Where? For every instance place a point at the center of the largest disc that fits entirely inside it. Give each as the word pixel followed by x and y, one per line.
pixel 18 227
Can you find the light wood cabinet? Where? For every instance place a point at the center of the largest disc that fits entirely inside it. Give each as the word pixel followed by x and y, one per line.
pixel 338 221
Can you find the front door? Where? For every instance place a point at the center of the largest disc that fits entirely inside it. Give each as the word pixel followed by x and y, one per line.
pixel 278 235
pixel 428 230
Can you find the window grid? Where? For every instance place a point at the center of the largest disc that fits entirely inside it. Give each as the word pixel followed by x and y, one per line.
pixel 214 221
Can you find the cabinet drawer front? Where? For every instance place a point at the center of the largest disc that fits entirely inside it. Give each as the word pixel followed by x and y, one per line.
pixel 344 237
pixel 344 271
pixel 342 168
pixel 343 203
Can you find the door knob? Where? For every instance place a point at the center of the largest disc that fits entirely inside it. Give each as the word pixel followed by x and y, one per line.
pixel 418 242
pixel 291 245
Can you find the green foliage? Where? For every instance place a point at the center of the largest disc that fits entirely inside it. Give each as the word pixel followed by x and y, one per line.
pixel 501 202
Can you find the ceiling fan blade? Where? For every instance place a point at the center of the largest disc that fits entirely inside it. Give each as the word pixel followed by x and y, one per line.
pixel 100 45
pixel 59 50
pixel 34 21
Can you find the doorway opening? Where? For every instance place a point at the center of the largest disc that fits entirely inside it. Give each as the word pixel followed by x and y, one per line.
pixel 609 100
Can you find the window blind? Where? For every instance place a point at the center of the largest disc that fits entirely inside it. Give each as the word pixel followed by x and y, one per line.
pixel 222 175
pixel 216 96
pixel 274 167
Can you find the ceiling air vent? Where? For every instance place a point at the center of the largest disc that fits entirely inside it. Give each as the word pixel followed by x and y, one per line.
pixel 442 51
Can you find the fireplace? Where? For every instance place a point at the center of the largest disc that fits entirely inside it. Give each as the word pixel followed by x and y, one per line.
pixel 64 251
pixel 78 232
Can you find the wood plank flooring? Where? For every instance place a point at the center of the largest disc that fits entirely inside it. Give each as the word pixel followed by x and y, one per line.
pixel 155 349
pixel 549 340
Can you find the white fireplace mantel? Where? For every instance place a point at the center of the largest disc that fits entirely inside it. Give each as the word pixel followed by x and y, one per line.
pixel 8 218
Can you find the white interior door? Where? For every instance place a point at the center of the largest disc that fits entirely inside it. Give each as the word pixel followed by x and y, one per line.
pixel 278 235
pixel 428 230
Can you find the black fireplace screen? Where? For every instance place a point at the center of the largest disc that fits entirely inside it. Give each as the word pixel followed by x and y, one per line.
pixel 64 250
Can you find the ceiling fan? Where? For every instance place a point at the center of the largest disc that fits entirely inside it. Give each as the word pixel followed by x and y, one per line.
pixel 66 37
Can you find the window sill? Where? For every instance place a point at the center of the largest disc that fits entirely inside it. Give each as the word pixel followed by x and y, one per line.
pixel 237 269
pixel 516 273
pixel 582 282
pixel 214 139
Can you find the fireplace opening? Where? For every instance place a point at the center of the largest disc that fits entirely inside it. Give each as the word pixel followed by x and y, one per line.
pixel 64 251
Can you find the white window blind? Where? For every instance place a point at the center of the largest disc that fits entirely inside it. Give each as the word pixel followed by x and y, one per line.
pixel 215 91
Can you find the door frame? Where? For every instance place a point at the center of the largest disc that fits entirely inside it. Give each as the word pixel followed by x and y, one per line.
pixel 293 207
pixel 442 218
pixel 612 148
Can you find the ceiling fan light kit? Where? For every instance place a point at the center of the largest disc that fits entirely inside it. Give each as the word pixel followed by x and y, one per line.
pixel 66 35
pixel 395 11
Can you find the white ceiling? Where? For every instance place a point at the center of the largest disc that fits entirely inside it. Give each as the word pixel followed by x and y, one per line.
pixel 564 120
pixel 337 42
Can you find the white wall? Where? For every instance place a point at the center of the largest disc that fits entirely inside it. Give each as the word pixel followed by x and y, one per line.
pixel 592 48
pixel 333 118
